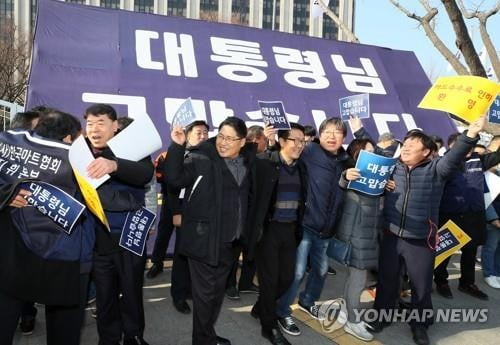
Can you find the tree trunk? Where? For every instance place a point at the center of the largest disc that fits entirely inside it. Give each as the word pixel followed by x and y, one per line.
pixel 464 42
pixel 490 48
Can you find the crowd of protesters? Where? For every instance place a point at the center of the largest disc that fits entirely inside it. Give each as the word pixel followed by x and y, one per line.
pixel 275 197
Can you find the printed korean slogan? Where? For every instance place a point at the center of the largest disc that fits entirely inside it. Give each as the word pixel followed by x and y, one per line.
pixel 375 171
pixel 143 63
pixel 451 239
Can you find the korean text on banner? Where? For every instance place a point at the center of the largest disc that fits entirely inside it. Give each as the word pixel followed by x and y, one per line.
pixel 184 115
pixel 494 112
pixel 467 97
pixel 135 230
pixel 54 203
pixel 375 171
pixel 356 105
pixel 91 199
pixel 451 239
pixel 274 114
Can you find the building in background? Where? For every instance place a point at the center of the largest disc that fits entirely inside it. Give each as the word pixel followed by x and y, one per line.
pixel 293 16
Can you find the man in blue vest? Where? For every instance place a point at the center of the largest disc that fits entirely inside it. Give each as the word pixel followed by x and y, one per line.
pixel 38 260
pixel 116 270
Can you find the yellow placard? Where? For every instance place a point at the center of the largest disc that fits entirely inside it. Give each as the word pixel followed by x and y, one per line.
pixel 451 239
pixel 91 199
pixel 467 97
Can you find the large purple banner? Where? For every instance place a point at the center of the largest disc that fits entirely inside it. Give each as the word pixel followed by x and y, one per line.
pixel 150 64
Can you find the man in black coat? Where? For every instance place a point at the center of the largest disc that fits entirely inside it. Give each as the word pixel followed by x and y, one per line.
pixel 220 180
pixel 116 270
pixel 283 186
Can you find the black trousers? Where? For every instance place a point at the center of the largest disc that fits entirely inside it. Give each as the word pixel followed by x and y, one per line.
pixel 164 232
pixel 419 260
pixel 121 272
pixel 276 253
pixel 247 271
pixel 181 280
pixel 473 224
pixel 62 323
pixel 208 287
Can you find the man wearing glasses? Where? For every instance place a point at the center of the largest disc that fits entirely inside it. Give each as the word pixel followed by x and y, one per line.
pixel 219 177
pixel 324 163
pixel 277 224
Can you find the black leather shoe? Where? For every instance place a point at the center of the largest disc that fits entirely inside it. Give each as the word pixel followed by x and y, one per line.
pixel 232 293
pixel 473 290
pixel 444 290
pixel 182 307
pixel 135 341
pixel 420 336
pixel 154 271
pixel 255 312
pixel 223 341
pixel 275 336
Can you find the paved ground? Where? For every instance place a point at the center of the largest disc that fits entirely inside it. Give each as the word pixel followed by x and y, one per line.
pixel 165 326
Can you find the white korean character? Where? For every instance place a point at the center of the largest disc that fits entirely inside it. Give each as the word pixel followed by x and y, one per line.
pixel 138 234
pixel 265 111
pixel 361 180
pixel 54 215
pixel 63 222
pixel 44 195
pixel 372 183
pixel 137 242
pixel 32 201
pixel 382 184
pixel 35 158
pixel 136 219
pixel 12 169
pixel 34 173
pixel 12 152
pixel 25 155
pixel 307 70
pixel 384 169
pixel 372 167
pixel 44 164
pixel 242 57
pixel 140 227
pixel 18 153
pixel 42 209
pixel 24 173
pixel 2 163
pixel 129 242
pixel 55 165
pixel 144 220
pixel 3 149
pixel 139 212
pixel 35 189
pixel 63 211
pixel 133 226
pixel 54 202
pixel 360 80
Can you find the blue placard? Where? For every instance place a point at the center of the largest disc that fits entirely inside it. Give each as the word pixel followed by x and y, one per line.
pixel 273 113
pixel 446 241
pixel 184 115
pixel 54 203
pixel 135 230
pixel 356 106
pixel 494 112
pixel 375 171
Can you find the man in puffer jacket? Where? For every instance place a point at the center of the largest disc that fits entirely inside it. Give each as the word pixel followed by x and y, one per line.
pixel 410 216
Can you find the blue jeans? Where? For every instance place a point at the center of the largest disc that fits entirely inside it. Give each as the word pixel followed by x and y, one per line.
pixel 490 253
pixel 314 247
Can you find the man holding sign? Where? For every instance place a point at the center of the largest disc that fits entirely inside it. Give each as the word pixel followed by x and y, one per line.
pixel 52 261
pixel 118 270
pixel 410 216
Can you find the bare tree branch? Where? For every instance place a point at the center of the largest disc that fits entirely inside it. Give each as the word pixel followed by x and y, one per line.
pixel 426 22
pixel 485 37
pixel 14 63
pixel 351 37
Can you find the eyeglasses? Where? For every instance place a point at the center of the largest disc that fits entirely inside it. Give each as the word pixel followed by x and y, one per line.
pixel 223 138
pixel 297 141
pixel 335 133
